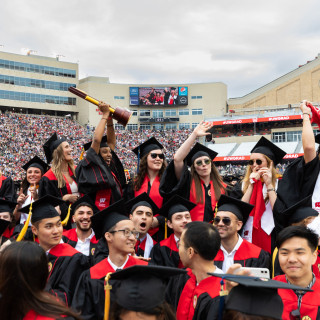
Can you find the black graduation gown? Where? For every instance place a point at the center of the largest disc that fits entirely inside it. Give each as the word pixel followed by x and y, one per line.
pixel 101 252
pixel 166 253
pixel 297 183
pixel 65 267
pixel 29 236
pixel 248 255
pixel 89 297
pixel 7 190
pixel 70 237
pixel 192 300
pixel 94 175
pixel 49 185
pixel 170 186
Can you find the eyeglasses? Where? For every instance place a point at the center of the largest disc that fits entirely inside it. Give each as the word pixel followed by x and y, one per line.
pixel 258 162
pixel 128 233
pixel 200 162
pixel 226 221
pixel 155 155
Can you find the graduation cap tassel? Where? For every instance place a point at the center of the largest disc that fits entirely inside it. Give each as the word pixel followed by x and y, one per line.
pixel 81 155
pixel 274 255
pixel 165 229
pixel 65 221
pixel 107 288
pixel 215 212
pixel 26 224
pixel 223 293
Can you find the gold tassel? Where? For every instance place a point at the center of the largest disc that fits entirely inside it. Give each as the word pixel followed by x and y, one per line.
pixel 107 289
pixel 25 227
pixel 165 229
pixel 65 221
pixel 215 212
pixel 274 255
pixel 81 155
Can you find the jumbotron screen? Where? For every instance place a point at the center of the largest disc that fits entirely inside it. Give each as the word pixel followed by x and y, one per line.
pixel 158 96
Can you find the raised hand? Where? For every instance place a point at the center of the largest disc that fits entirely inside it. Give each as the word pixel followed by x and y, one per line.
pixel 202 129
pixel 266 174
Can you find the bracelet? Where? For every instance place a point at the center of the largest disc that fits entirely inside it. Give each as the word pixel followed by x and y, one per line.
pixel 271 189
pixel 307 114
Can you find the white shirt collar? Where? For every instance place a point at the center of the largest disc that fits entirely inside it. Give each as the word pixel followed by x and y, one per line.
pixel 116 267
pixel 89 238
pixel 176 238
pixel 236 247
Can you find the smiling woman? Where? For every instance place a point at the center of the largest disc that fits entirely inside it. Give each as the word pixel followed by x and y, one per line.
pixel 59 181
pixel 202 184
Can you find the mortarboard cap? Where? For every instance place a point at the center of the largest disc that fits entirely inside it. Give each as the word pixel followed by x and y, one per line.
pixel 199 150
pixel 141 287
pixel 36 162
pixel 239 208
pixel 256 296
pixel 105 219
pixel 176 204
pixel 50 145
pixel 43 208
pixel 4 224
pixel 141 200
pixel 84 201
pixel 103 143
pixel 7 206
pixel 147 146
pixel 269 149
pixel 299 211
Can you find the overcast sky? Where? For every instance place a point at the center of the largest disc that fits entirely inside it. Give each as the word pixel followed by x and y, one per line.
pixel 243 43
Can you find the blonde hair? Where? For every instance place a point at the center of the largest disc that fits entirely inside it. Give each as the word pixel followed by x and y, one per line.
pixel 216 182
pixel 57 160
pixel 246 179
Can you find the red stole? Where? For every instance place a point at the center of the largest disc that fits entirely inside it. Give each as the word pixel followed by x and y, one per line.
pixel 259 237
pixel 172 245
pixel 316 266
pixel 197 212
pixel 8 233
pixel 153 194
pixel 191 292
pixel 2 178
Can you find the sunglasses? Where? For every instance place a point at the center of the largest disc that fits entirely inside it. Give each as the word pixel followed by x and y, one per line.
pixel 200 162
pixel 226 221
pixel 155 155
pixel 258 162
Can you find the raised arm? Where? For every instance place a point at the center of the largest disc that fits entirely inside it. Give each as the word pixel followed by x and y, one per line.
pixel 98 133
pixel 308 141
pixel 111 135
pixel 200 131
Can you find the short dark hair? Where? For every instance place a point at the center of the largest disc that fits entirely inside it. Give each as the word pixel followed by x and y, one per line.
pixel 204 238
pixel 83 204
pixel 299 232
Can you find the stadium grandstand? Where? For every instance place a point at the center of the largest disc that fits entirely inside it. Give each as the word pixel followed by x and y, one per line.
pixel 35 102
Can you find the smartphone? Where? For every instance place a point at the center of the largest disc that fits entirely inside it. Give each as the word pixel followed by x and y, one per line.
pixel 256 272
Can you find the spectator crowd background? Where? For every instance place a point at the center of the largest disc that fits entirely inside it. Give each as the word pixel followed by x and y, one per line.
pixel 22 137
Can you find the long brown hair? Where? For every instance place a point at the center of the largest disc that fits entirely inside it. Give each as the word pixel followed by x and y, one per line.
pixel 214 177
pixel 143 170
pixel 246 179
pixel 23 277
pixel 57 160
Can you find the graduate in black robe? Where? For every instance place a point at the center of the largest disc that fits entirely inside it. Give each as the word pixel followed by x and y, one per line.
pixel 7 189
pixel 202 184
pixel 119 231
pixel 177 213
pixel 64 262
pixel 6 214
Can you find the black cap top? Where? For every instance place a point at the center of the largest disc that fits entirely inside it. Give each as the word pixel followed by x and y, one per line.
pixel 256 296
pixel 147 146
pixel 269 149
pixel 4 224
pixel 239 208
pixel 174 205
pixel 143 288
pixel 141 200
pixel 84 201
pixel 7 206
pixel 51 144
pixel 103 143
pixel 105 219
pixel 299 211
pixel 317 138
pixel 199 150
pixel 43 208
pixel 36 162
